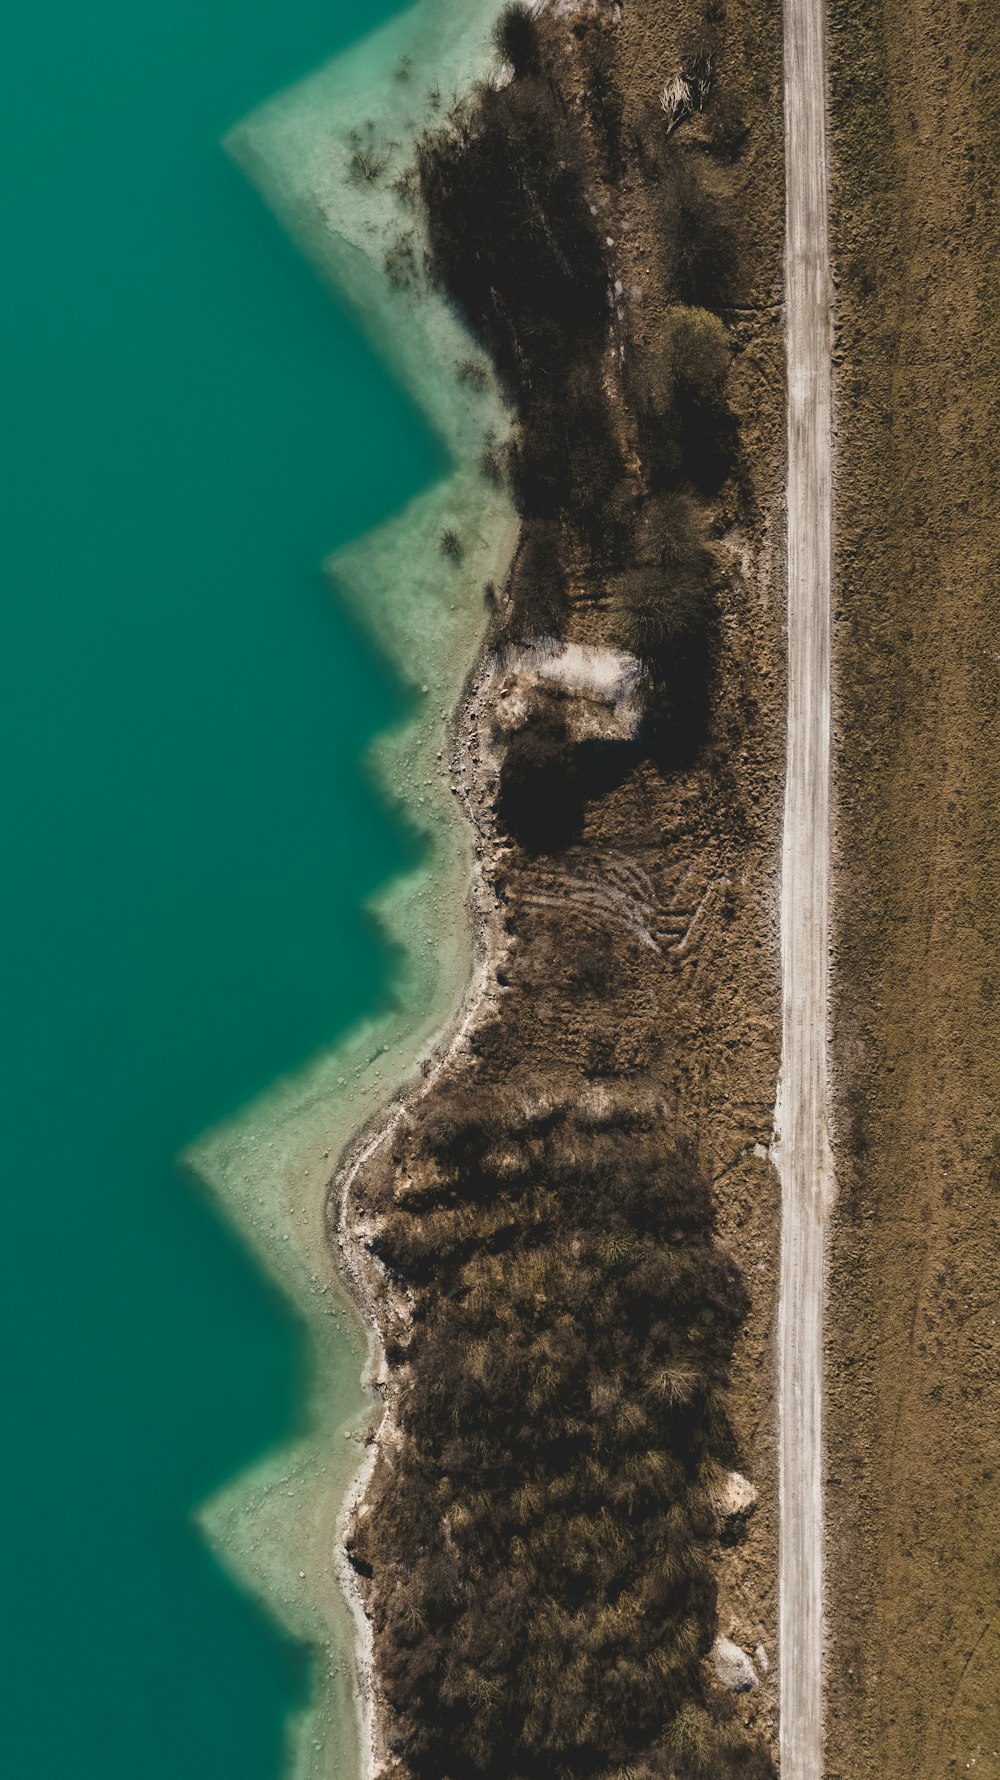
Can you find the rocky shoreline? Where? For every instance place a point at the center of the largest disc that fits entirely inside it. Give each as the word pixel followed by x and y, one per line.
pixel 348 1232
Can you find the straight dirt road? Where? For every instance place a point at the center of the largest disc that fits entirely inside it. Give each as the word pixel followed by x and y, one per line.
pixel 801 1149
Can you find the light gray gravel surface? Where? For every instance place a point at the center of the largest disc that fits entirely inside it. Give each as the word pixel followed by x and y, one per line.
pixel 801 1149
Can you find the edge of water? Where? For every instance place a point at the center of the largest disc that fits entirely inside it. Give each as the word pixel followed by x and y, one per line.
pixel 275 1526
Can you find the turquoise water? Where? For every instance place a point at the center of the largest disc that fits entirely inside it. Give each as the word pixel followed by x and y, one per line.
pixel 190 425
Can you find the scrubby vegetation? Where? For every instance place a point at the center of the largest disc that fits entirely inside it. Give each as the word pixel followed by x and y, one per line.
pixel 678 399
pixel 542 1540
pixel 668 619
pixel 541 793
pixel 537 1552
pixel 511 235
pixel 700 259
pixel 600 438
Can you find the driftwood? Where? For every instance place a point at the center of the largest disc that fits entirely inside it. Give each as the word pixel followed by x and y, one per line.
pixel 686 91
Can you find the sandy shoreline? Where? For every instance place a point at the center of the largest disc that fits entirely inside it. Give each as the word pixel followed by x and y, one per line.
pixel 363 1273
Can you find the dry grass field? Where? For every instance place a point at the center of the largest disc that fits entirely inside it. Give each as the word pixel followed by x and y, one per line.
pixel 914 1336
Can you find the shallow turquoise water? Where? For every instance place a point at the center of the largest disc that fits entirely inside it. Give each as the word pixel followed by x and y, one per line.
pixel 190 426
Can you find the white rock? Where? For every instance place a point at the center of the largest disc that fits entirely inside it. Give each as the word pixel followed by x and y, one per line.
pixel 760 1658
pixel 733 1666
pixel 735 1495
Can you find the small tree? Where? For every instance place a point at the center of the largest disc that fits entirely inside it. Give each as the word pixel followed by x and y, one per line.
pixel 667 617
pixel 698 352
pixel 698 355
pixel 516 37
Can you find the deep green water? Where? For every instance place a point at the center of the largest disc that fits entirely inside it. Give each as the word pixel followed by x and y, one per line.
pixel 190 425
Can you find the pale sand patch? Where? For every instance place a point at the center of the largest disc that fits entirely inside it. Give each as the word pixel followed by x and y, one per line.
pixel 602 687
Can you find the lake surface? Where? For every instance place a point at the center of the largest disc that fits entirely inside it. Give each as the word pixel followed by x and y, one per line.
pixel 190 426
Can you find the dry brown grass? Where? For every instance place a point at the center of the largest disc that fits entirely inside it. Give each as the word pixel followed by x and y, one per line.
pixel 914 1358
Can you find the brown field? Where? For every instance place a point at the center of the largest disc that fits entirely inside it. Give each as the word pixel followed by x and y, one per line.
pixel 914 1378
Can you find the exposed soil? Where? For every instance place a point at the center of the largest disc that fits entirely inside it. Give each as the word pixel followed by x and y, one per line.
pixel 914 1357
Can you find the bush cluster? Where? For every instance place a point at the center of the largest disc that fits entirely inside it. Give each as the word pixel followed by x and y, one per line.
pixel 678 397
pixel 511 236
pixel 700 256
pixel 513 241
pixel 516 37
pixel 542 1557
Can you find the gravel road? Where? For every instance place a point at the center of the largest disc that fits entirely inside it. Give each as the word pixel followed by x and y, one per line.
pixel 801 1150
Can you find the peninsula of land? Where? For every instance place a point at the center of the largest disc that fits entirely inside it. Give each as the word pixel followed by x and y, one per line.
pixel 564 1545
pixel 652 1392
